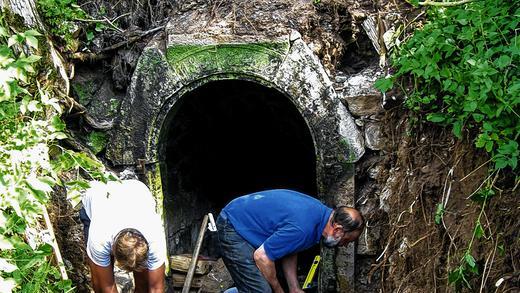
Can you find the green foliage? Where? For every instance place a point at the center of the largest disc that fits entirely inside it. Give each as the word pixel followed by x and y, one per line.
pixel 60 16
pixel 462 72
pixel 439 212
pixel 464 68
pixel 30 127
pixel 97 141
pixel 461 275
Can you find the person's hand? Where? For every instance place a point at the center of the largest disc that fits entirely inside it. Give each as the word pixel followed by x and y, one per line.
pixel 279 290
pixel 296 290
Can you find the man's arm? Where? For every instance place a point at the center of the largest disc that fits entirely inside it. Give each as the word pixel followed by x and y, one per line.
pixel 289 264
pixel 268 269
pixel 150 281
pixel 102 278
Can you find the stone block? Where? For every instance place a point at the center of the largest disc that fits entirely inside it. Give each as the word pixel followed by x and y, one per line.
pixel 374 138
pixel 358 93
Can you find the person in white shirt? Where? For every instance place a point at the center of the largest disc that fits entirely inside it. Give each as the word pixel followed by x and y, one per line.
pixel 123 229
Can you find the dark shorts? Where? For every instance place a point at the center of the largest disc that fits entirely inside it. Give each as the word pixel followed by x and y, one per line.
pixel 83 217
pixel 237 255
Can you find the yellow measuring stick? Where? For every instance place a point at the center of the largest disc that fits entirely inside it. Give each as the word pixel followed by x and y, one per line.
pixel 312 271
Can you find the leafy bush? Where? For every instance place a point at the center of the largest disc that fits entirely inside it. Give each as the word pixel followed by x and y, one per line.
pixel 463 66
pixel 461 71
pixel 30 127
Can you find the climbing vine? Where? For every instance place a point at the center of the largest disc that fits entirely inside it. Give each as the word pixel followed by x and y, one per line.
pixel 31 163
pixel 460 70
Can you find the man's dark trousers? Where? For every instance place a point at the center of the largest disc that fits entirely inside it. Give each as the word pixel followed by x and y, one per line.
pixel 237 255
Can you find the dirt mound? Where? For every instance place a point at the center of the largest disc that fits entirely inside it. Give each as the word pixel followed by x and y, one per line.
pixel 427 166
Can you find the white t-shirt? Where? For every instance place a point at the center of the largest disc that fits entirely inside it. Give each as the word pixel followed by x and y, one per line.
pixel 115 206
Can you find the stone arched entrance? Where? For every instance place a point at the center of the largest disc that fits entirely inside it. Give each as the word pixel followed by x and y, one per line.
pixel 177 72
pixel 226 138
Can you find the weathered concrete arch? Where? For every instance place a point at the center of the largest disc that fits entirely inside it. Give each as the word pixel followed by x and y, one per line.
pixel 169 68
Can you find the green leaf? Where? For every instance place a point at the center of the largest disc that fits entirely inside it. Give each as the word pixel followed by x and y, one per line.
pixel 32 33
pixel 503 61
pixel 479 231
pixel 14 39
pixel 436 117
pixel 5 243
pixel 3 32
pixel 32 58
pixel 456 276
pixel 90 36
pixel 478 117
pixel 384 84
pixel 483 195
pixel 439 212
pixel 457 129
pixel 57 123
pixel 469 260
pixel 470 106
pixel 31 42
pixel 489 146
pixel 501 250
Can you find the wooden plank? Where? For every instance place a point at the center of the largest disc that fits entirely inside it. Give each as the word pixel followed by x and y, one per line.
pixel 181 263
pixel 178 281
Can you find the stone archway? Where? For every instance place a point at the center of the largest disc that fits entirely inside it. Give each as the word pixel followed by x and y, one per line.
pixel 226 138
pixel 171 68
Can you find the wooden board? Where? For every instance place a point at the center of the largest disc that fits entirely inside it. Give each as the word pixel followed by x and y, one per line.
pixel 178 281
pixel 181 263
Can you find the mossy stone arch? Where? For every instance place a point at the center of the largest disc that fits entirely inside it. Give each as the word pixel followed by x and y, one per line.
pixel 171 67
pixel 168 67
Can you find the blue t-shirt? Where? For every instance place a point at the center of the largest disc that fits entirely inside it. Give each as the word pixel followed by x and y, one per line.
pixel 284 221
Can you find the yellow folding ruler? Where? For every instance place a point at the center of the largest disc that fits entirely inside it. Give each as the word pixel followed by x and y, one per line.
pixel 312 272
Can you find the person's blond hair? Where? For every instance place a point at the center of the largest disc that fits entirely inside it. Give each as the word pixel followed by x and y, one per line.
pixel 130 250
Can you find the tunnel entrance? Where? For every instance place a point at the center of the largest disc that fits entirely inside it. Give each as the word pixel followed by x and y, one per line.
pixel 224 139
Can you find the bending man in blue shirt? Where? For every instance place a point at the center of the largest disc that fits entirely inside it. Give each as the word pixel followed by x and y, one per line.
pixel 257 229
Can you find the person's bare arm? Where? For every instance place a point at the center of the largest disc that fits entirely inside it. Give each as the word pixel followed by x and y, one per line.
pixel 150 281
pixel 268 269
pixel 102 278
pixel 289 265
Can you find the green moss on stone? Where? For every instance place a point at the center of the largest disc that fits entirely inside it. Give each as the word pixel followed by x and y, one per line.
pixel 83 91
pixel 114 105
pixel 186 59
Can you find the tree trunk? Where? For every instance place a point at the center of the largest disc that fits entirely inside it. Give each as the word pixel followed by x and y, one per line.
pixel 27 10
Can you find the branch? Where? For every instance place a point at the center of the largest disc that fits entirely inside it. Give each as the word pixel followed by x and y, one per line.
pixel 103 53
pixel 445 4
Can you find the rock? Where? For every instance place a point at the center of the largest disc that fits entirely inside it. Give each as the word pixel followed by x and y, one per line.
pixel 93 90
pixel 375 172
pixel 374 139
pixel 124 280
pixel 359 94
pixel 390 184
pixel 218 278
pixel 368 243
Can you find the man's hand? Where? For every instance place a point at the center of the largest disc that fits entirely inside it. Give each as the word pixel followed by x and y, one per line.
pixel 268 269
pixel 289 265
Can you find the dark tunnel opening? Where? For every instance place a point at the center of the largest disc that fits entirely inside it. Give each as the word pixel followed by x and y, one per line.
pixel 225 139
